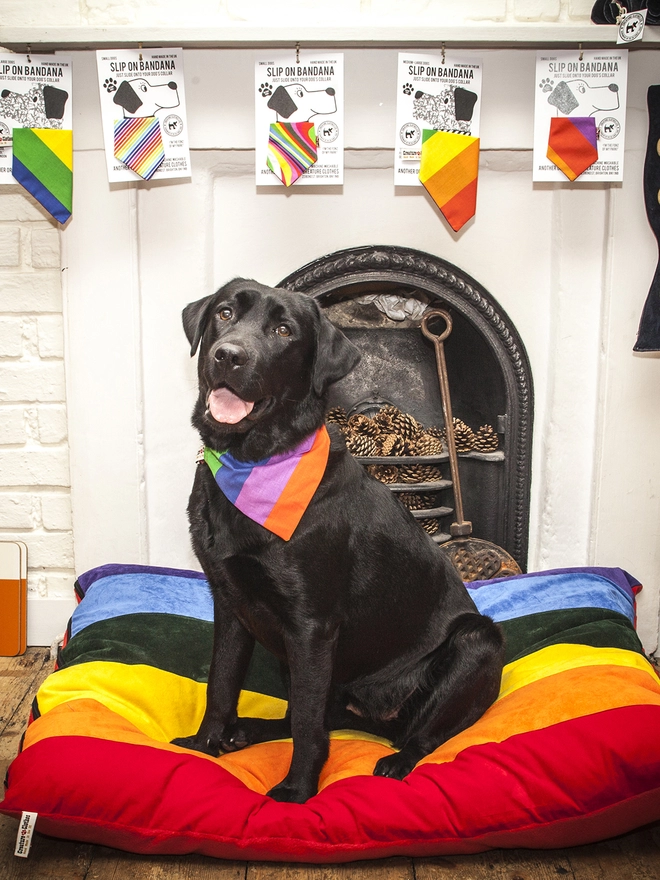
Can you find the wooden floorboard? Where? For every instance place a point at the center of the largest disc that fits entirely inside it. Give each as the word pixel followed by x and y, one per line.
pixel 634 856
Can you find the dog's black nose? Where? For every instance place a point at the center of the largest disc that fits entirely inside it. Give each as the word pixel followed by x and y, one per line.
pixel 172 85
pixel 330 91
pixel 230 355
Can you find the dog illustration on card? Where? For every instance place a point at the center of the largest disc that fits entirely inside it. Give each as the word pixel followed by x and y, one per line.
pixel 296 103
pixel 42 106
pixel 138 97
pixel 578 95
pixel 451 110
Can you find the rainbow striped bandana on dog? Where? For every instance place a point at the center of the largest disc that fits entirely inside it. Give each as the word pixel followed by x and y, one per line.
pixel 275 492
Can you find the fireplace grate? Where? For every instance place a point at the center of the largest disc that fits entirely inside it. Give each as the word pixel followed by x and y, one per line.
pixel 489 372
pixel 417 480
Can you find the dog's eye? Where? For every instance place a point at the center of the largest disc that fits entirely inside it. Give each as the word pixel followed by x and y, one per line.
pixel 225 314
pixel 283 330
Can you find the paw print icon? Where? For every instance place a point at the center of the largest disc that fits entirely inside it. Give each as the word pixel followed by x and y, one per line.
pixel 408 89
pixel 110 85
pixel 265 90
pixel 547 84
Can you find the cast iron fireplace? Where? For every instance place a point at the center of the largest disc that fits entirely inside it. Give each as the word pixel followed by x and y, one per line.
pixel 489 372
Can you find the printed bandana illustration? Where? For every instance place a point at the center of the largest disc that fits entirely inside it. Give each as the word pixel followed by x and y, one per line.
pixel 143 113
pixel 296 96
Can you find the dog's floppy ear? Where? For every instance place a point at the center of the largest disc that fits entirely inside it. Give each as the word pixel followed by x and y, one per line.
pixel 127 97
pixel 195 317
pixel 335 356
pixel 282 103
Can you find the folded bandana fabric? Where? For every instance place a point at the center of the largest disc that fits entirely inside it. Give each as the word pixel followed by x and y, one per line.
pixel 276 492
pixel 43 164
pixel 139 145
pixel 291 149
pixel 449 169
pixel 572 144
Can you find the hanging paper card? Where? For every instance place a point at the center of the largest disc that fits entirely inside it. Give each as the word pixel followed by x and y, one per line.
pixel 35 92
pixel 578 85
pixel 304 89
pixel 143 113
pixel 442 93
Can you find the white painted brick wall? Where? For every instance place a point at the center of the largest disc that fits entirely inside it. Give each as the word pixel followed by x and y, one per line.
pixel 39 13
pixel 35 502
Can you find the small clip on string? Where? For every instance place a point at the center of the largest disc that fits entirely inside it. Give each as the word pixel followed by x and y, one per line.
pixel 581 58
pixel 140 48
pixel 297 53
pixel 29 53
pixel 443 54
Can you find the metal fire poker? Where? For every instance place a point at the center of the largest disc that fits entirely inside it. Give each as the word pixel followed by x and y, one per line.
pixel 474 558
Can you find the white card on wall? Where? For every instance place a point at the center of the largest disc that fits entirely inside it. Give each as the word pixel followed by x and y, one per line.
pixel 439 92
pixel 143 83
pixel 307 86
pixel 35 92
pixel 573 84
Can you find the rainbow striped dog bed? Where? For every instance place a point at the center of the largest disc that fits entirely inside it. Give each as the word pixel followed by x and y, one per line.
pixel 566 755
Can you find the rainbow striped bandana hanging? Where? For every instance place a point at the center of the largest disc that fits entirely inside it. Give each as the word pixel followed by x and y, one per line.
pixel 275 492
pixel 291 149
pixel 449 168
pixel 139 145
pixel 573 144
pixel 42 162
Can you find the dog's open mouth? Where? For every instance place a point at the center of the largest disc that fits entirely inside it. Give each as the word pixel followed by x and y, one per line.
pixel 228 408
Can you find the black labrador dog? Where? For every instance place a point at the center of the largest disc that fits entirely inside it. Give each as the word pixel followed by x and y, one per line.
pixel 375 627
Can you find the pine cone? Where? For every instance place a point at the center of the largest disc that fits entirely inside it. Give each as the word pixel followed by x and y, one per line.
pixel 337 415
pixel 419 473
pixel 362 424
pixel 429 525
pixel 427 444
pixel 360 444
pixel 384 472
pixel 416 502
pixel 390 444
pixel 486 440
pixel 463 436
pixel 405 425
pixel 385 416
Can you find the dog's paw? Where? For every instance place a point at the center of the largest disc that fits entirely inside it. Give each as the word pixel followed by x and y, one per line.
pixel 290 793
pixel 396 766
pixel 206 746
pixel 235 737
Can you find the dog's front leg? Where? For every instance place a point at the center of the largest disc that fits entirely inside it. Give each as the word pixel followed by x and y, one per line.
pixel 232 650
pixel 311 657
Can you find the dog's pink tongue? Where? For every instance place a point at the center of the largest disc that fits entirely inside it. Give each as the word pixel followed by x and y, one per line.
pixel 227 407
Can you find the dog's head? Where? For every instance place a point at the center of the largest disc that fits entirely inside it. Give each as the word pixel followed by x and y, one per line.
pixel 266 360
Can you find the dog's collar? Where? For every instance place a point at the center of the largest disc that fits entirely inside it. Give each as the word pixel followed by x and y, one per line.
pixel 275 492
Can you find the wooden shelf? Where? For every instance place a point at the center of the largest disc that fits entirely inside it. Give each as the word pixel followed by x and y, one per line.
pixel 393 34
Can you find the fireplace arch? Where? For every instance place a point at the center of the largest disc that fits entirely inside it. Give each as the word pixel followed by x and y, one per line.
pixel 489 372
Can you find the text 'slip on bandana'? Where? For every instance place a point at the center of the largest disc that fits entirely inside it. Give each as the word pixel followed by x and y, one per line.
pixel 227 407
